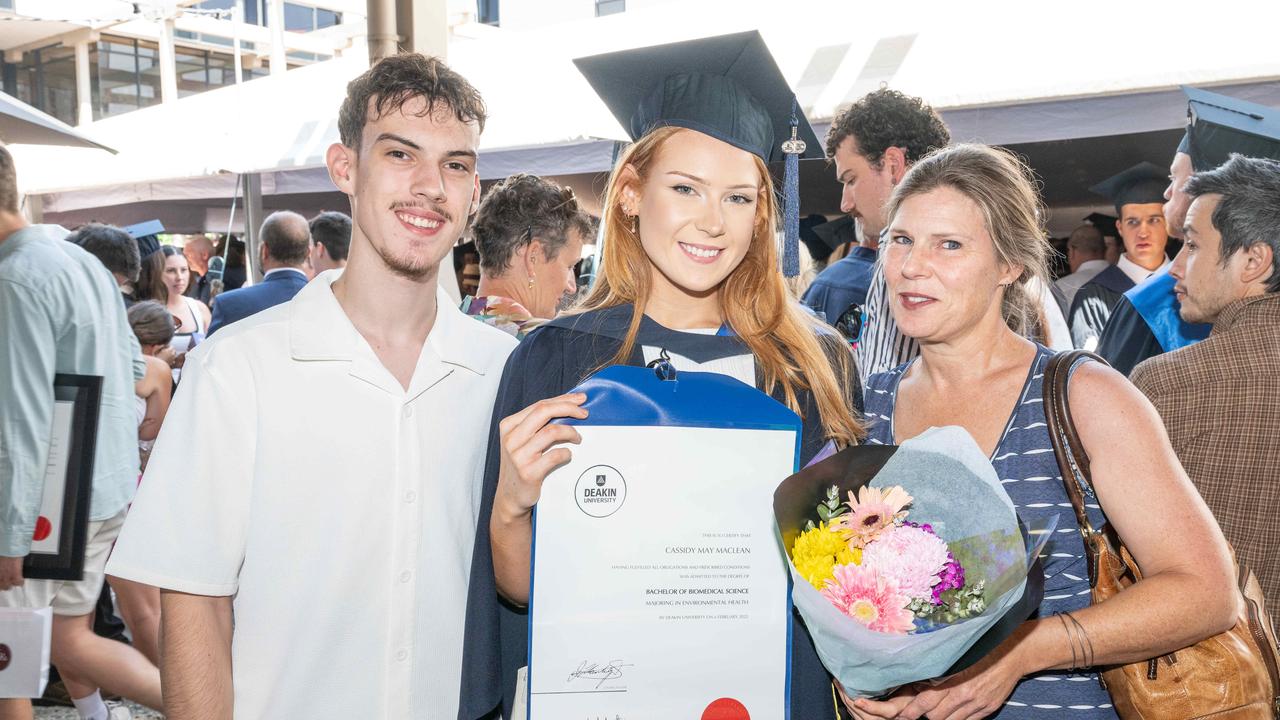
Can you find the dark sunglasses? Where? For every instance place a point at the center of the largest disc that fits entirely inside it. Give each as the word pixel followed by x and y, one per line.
pixel 851 323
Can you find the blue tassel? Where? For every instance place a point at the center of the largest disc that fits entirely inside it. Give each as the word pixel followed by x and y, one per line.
pixel 791 203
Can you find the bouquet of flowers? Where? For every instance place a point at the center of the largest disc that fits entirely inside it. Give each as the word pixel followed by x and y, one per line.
pixel 909 563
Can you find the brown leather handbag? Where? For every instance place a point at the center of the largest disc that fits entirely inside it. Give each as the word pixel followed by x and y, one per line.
pixel 1232 676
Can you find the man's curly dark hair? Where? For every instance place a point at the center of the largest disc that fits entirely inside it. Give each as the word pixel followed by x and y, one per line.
pixel 398 79
pixel 886 118
pixel 517 211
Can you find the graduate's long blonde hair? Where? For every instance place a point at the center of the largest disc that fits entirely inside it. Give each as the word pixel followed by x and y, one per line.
pixel 753 300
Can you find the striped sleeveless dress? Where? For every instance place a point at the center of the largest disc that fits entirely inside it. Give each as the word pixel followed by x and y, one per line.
pixel 1025 463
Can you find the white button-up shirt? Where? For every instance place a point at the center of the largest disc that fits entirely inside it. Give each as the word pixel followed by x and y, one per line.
pixel 295 473
pixel 1136 272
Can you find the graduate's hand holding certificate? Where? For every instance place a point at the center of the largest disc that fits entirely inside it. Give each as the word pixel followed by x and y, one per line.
pixel 528 455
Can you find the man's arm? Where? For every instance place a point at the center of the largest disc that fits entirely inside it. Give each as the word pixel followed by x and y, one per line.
pixel 195 651
pixel 27 357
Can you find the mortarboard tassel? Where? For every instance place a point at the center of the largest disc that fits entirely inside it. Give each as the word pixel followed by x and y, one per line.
pixel 793 148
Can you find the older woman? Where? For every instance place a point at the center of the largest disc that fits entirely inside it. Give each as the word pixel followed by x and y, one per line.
pixel 963 245
pixel 529 234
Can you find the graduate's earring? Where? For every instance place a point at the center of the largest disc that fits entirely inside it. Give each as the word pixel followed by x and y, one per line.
pixel 530 282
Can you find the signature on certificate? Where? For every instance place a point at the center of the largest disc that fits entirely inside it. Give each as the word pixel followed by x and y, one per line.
pixel 588 670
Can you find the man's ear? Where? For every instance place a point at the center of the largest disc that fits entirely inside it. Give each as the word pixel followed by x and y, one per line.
pixel 895 160
pixel 1259 259
pixel 341 162
pixel 475 197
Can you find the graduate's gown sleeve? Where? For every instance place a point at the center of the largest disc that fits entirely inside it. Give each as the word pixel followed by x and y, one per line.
pixel 1127 339
pixel 1090 311
pixel 495 632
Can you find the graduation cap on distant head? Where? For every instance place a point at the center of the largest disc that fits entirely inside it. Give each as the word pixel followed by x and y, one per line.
pixel 1106 224
pixel 1218 125
pixel 727 87
pixel 144 233
pixel 1141 184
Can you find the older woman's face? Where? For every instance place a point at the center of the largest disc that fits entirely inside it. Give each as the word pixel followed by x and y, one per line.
pixel 176 274
pixel 697 211
pixel 940 266
pixel 554 279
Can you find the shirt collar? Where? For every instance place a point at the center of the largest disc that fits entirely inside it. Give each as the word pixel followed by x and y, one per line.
pixel 279 270
pixel 319 329
pixel 1093 265
pixel 1265 308
pixel 1136 272
pixel 31 233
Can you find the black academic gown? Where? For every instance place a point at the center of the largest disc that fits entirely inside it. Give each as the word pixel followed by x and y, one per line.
pixel 1093 303
pixel 551 361
pixel 1127 339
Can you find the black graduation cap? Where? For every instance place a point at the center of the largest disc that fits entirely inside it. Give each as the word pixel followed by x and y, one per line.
pixel 727 87
pixel 1141 184
pixel 144 233
pixel 1106 224
pixel 1218 125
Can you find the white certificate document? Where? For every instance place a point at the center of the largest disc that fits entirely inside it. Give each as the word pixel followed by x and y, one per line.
pixel 660 590
pixel 48 535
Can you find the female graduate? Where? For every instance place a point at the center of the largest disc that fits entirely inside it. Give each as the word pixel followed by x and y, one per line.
pixel 690 267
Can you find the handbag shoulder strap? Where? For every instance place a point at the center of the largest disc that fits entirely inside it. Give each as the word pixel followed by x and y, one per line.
pixel 1073 461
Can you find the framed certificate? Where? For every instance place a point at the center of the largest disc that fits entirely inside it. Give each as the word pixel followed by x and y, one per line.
pixel 58 546
pixel 659 589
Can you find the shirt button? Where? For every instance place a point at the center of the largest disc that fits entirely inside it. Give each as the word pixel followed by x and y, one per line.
pixel 402 655
pixel 410 496
pixel 405 576
pixel 408 412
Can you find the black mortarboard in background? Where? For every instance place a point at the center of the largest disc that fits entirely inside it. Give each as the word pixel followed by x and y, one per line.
pixel 727 87
pixel 1141 184
pixel 1218 125
pixel 819 246
pixel 1106 224
pixel 144 233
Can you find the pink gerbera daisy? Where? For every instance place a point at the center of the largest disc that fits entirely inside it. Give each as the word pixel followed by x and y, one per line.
pixel 871 512
pixel 870 598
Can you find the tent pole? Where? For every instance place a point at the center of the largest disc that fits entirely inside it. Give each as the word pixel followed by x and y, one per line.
pixel 252 221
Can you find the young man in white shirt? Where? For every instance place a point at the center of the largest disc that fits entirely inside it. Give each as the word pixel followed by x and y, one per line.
pixel 335 527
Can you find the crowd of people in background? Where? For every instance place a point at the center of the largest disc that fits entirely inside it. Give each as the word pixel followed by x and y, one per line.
pixel 936 276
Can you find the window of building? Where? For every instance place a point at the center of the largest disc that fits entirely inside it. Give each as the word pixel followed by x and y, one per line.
pixel 6 4
pixel 610 7
pixel 487 12
pixel 125 75
pixel 298 17
pixel 46 80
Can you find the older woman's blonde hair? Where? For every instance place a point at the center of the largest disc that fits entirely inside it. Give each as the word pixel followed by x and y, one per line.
pixel 787 342
pixel 1005 191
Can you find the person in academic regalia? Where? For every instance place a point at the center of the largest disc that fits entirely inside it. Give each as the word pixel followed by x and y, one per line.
pixel 1138 194
pixel 1145 322
pixel 690 269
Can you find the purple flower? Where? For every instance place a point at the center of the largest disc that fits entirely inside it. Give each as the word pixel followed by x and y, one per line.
pixel 951 578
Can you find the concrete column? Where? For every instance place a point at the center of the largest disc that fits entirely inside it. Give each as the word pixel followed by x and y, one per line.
pixel 168 66
pixel 84 86
pixel 384 36
pixel 275 21
pixel 425 25
pixel 252 222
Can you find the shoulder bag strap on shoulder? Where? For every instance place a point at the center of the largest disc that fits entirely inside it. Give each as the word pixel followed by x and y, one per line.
pixel 1073 461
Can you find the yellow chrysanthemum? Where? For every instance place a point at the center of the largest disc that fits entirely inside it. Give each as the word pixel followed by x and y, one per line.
pixel 816 552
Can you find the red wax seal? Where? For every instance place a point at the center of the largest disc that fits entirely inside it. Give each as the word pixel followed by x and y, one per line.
pixel 726 709
pixel 43 528
pixel 5 656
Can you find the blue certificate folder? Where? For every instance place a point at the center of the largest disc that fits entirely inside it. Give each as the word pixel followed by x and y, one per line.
pixel 665 457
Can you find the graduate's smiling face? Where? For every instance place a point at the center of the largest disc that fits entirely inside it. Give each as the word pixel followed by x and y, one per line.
pixel 412 183
pixel 696 210
pixel 940 266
